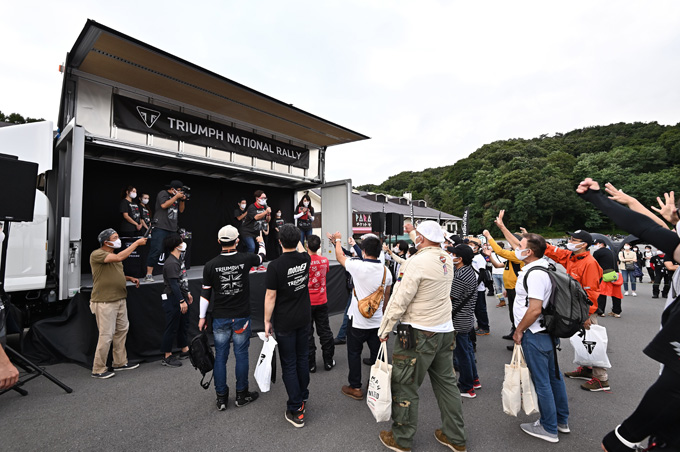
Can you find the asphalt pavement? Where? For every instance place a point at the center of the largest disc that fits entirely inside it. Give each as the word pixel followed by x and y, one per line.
pixel 160 408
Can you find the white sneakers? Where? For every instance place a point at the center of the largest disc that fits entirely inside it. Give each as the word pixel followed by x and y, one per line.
pixel 634 294
pixel 625 294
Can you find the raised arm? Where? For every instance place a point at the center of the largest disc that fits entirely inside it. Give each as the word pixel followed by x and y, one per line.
pixel 509 236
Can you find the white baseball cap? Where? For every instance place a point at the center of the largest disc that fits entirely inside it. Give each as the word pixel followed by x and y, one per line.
pixel 431 231
pixel 227 234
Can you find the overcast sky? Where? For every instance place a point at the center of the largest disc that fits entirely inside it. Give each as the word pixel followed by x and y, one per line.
pixel 428 81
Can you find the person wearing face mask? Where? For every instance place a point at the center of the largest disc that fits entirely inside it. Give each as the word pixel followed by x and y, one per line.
pixel 175 300
pixel 146 211
pixel 274 238
pixel 255 219
pixel 583 267
pixel 132 221
pixel 639 264
pixel 611 281
pixel 108 302
pixel 304 215
pixel 169 204
pixel 627 260
pixel 648 257
pixel 463 297
pixel 479 264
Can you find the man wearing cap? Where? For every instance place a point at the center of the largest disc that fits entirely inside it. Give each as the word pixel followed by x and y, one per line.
pixel 583 267
pixel 421 301
pixel 479 264
pixel 226 283
pixel 108 302
pixel 169 204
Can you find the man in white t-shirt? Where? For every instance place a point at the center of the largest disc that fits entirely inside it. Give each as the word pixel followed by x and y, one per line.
pixel 538 346
pixel 367 275
pixel 479 263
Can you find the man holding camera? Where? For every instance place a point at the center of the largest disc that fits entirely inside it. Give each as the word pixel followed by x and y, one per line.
pixel 169 204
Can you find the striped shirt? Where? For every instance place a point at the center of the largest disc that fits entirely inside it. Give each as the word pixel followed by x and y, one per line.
pixel 464 290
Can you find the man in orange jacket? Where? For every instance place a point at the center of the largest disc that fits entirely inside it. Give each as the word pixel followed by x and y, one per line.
pixel 583 267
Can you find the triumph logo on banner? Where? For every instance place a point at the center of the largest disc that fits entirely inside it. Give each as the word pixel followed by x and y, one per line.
pixel 465 222
pixel 146 118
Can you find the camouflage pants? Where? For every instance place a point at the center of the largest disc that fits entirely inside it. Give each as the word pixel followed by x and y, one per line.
pixel 432 355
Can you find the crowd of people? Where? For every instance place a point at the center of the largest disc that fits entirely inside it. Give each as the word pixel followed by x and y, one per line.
pixel 429 295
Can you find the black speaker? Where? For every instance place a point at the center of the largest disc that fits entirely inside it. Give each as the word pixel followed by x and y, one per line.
pixel 378 222
pixel 20 178
pixel 394 224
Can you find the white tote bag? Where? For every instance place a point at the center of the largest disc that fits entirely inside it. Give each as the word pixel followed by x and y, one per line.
pixel 529 396
pixel 512 392
pixel 591 349
pixel 379 395
pixel 263 369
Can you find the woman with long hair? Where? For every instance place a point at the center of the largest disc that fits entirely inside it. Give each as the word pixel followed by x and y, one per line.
pixel 304 214
pixel 132 217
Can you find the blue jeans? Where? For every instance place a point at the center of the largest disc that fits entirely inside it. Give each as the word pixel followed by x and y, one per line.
pixel 498 285
pixel 238 332
pixel 304 234
pixel 342 334
pixel 465 358
pixel 294 354
pixel 480 311
pixel 156 246
pixel 628 274
pixel 548 380
pixel 250 243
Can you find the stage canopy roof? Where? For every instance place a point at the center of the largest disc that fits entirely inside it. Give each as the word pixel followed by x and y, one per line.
pixel 107 53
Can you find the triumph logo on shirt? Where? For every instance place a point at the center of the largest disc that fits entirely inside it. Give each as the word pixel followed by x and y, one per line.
pixel 151 119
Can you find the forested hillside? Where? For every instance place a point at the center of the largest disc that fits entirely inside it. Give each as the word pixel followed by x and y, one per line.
pixel 534 180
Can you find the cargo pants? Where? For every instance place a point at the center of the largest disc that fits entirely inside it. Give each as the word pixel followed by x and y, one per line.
pixel 431 355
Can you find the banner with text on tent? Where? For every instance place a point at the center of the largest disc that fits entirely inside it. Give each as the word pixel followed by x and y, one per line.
pixel 143 117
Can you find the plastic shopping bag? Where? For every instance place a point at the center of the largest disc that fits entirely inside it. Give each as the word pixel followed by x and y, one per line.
pixel 512 393
pixel 379 395
pixel 590 349
pixel 529 396
pixel 265 363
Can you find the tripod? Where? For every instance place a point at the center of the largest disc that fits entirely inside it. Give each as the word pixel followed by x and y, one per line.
pixel 32 370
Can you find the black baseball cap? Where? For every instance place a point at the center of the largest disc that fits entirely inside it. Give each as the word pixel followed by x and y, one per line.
pixel 582 235
pixel 598 241
pixel 176 184
pixel 464 252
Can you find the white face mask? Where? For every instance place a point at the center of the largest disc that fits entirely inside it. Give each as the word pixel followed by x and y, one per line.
pixel 116 244
pixel 145 201
pixel 456 260
pixel 133 195
pixel 417 243
pixel 182 247
pixel 518 254
pixel 626 247
pixel 243 206
pixel 573 246
pixel 262 201
pixel 306 204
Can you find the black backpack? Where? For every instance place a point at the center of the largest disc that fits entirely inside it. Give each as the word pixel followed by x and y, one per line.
pixel 202 357
pixel 483 276
pixel 568 306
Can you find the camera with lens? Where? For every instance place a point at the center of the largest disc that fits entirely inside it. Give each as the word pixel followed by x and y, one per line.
pixel 187 191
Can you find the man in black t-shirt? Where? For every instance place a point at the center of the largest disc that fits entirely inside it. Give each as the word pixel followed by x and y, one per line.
pixel 169 204
pixel 237 221
pixel 226 281
pixel 287 303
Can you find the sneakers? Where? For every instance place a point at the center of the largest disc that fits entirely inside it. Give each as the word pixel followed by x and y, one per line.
pixel 441 437
pixel 582 373
pixel 508 337
pixel 600 314
pixel 243 398
pixel 368 361
pixel 563 428
pixel 481 332
pixel 536 429
pixel 328 365
pixel 312 368
pixel 127 366
pixel 625 294
pixel 338 341
pixel 615 315
pixel 468 394
pixel 501 304
pixel 595 385
pixel 476 384
pixel 387 438
pixel 148 278
pixel 104 375
pixel 221 401
pixel 297 418
pixel 354 393
pixel 634 294
pixel 171 361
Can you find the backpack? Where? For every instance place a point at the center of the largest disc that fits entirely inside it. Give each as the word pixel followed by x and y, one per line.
pixel 202 357
pixel 370 304
pixel 568 306
pixel 483 276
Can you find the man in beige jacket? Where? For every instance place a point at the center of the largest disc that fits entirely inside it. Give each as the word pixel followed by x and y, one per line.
pixel 421 302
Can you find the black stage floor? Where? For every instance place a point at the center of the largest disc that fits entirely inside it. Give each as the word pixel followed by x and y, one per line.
pixel 72 337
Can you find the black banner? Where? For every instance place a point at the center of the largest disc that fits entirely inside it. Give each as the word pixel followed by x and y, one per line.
pixel 158 121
